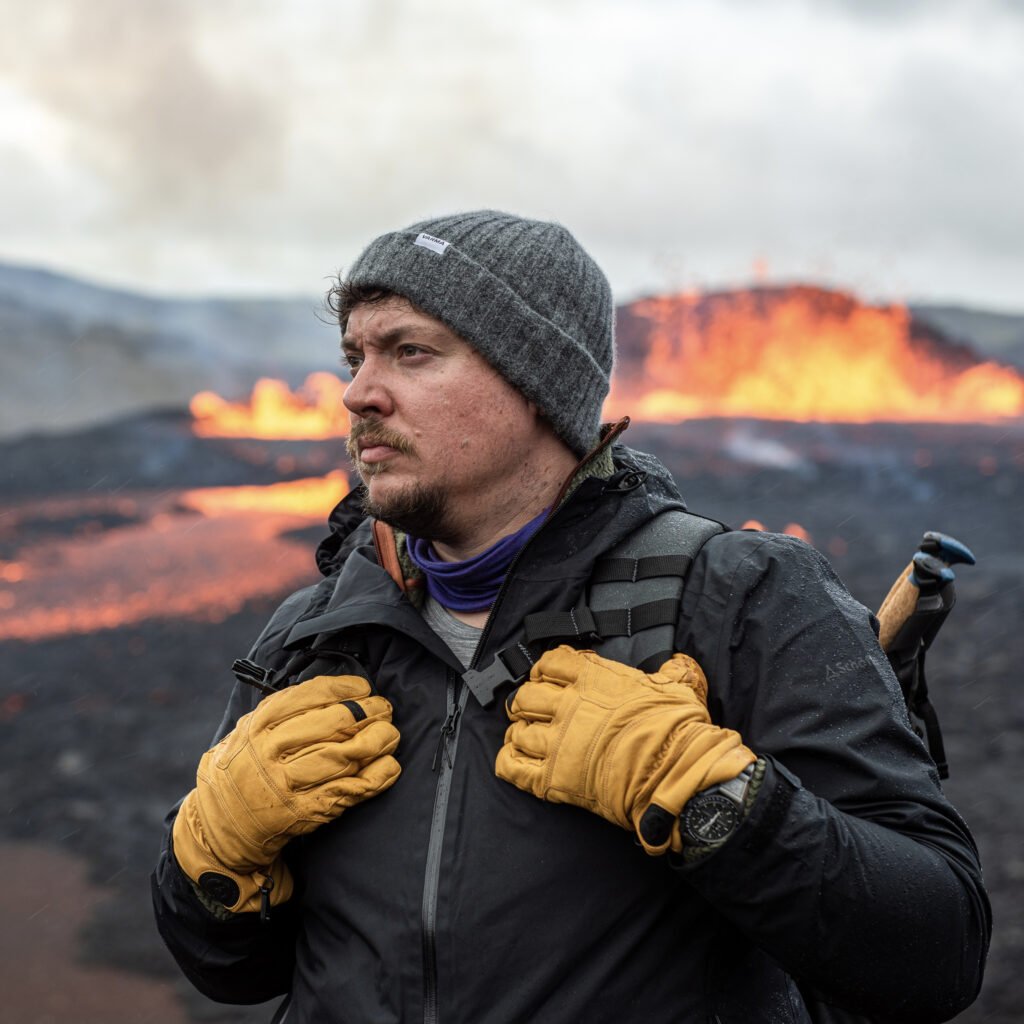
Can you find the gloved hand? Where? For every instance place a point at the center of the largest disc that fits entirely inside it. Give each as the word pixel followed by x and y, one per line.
pixel 295 762
pixel 601 735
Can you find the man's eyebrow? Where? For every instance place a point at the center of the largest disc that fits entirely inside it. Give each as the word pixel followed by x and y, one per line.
pixel 396 334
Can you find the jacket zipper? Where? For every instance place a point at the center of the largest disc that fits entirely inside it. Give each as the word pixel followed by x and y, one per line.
pixel 444 757
pixel 455 703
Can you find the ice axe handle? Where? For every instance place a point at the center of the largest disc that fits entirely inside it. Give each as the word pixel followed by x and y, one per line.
pixel 898 606
pixel 910 617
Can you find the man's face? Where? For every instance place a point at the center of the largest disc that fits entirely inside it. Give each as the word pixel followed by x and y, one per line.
pixel 438 436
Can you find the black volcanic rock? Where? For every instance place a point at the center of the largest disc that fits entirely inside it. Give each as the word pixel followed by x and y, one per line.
pixel 102 731
pixel 154 450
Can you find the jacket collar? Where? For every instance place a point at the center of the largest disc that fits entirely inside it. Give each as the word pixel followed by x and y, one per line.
pixel 373 578
pixel 390 545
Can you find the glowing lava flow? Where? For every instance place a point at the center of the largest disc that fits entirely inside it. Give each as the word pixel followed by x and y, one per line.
pixel 793 529
pixel 313 497
pixel 175 564
pixel 274 412
pixel 803 354
pixel 201 554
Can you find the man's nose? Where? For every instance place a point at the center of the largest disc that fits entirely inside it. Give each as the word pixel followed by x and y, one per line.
pixel 368 393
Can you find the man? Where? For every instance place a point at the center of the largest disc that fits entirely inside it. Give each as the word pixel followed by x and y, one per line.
pixel 383 842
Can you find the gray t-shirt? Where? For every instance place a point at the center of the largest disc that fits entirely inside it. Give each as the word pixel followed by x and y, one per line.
pixel 460 637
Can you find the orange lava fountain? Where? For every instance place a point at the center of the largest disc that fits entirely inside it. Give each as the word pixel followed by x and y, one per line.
pixel 313 411
pixel 803 354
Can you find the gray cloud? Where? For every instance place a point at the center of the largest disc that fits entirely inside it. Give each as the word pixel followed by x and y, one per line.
pixel 145 107
pixel 261 145
pixel 908 10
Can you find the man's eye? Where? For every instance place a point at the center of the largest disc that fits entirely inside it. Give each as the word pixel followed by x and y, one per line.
pixel 410 350
pixel 352 361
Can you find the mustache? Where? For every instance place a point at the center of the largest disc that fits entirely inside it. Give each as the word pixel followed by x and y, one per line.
pixel 373 432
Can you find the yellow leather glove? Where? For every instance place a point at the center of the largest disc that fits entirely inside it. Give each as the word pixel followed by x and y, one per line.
pixel 295 762
pixel 601 735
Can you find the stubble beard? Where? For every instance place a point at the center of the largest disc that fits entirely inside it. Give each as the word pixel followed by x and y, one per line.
pixel 420 510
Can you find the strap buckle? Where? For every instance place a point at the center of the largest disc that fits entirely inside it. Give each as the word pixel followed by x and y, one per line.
pixel 485 683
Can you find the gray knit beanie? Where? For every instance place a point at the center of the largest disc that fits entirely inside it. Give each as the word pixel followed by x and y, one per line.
pixel 524 293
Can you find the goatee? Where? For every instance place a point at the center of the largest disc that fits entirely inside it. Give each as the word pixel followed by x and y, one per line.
pixel 418 510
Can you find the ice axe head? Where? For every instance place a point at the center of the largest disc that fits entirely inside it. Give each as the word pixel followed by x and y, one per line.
pixel 923 591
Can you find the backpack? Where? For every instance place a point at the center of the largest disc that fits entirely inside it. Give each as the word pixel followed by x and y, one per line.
pixel 632 609
pixel 633 601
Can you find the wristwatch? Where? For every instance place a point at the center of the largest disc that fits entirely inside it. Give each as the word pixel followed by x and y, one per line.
pixel 712 815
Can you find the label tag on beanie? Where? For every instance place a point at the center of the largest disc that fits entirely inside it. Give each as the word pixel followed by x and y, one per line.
pixel 430 242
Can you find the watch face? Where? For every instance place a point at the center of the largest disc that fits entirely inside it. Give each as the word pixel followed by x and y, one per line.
pixel 710 818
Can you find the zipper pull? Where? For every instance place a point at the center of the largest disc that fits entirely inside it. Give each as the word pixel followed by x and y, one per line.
pixel 265 890
pixel 447 730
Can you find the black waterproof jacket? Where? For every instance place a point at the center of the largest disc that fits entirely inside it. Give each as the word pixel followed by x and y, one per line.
pixel 852 887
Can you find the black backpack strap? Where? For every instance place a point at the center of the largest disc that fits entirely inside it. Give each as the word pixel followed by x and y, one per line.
pixel 631 610
pixel 652 565
pixel 321 654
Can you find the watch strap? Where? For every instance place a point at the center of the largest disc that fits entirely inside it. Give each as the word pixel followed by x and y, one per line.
pixel 741 791
pixel 735 789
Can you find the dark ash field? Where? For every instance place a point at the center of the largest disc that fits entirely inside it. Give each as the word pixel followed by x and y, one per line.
pixel 101 731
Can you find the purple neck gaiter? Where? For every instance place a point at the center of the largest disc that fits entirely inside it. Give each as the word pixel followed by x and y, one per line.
pixel 470 586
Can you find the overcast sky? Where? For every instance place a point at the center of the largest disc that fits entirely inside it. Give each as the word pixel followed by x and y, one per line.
pixel 226 146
